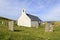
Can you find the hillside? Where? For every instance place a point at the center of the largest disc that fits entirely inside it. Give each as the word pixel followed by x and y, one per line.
pixel 24 33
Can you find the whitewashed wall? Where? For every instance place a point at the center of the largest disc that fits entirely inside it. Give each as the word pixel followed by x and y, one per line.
pixel 34 23
pixel 24 20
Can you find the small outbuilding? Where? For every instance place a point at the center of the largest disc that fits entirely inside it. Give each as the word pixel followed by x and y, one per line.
pixel 28 20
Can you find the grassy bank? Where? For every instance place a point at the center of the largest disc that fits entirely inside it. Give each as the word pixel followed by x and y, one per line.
pixel 24 33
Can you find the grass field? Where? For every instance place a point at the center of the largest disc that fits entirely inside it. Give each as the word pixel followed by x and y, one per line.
pixel 24 33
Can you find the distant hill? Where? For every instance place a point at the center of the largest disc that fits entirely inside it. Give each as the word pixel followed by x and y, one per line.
pixel 4 18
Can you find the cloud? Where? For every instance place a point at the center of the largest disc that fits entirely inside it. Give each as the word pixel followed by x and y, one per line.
pixel 13 7
pixel 53 13
pixel 42 8
pixel 9 8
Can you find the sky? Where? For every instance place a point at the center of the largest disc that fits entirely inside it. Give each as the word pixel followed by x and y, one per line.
pixel 46 10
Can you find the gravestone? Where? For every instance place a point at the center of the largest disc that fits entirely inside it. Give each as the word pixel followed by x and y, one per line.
pixel 49 27
pixel 2 22
pixel 11 25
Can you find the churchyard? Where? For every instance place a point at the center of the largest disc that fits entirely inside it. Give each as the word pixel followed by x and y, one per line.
pixel 26 33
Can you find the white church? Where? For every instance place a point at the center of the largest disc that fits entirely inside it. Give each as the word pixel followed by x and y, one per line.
pixel 28 20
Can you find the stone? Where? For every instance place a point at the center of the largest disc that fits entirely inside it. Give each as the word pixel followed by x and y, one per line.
pixel 11 25
pixel 49 27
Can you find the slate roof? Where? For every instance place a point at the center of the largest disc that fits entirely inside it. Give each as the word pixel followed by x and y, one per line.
pixel 33 18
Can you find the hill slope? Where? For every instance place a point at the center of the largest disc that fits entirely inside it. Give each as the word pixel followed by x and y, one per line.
pixel 24 33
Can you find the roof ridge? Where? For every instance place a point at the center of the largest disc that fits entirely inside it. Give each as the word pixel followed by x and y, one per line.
pixel 33 18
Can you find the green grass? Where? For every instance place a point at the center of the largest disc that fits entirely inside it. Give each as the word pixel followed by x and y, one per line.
pixel 25 33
